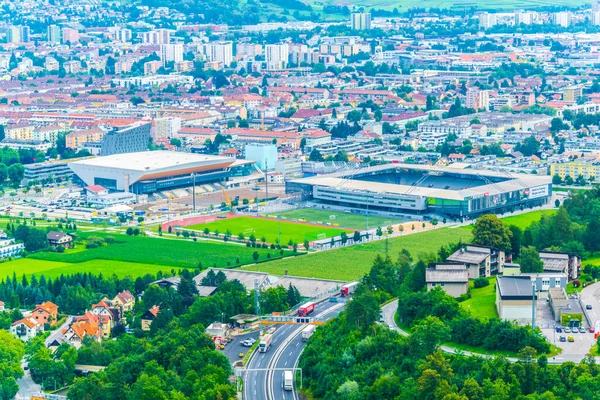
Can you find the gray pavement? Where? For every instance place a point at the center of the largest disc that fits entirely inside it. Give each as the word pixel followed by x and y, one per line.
pixel 27 387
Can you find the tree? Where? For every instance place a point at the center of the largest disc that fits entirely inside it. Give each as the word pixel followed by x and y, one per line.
pixel 379 232
pixel 3 173
pixel 556 179
pixel 16 173
pixel 315 155
pixel 530 260
pixel 591 239
pixel 428 334
pixel 490 231
pixel 356 237
pixel 516 239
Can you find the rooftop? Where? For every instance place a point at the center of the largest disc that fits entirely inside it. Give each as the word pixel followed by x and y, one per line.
pixel 514 286
pixel 152 160
pixel 446 275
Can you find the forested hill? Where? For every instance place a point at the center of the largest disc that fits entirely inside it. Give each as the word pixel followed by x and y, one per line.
pixel 231 12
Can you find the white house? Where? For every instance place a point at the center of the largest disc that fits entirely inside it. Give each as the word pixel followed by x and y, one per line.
pixel 26 328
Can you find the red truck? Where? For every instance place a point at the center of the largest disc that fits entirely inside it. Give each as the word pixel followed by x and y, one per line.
pixel 306 309
pixel 348 289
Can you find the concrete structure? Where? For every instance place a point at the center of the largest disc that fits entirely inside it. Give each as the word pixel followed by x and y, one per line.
pixel 360 21
pixel 421 189
pixel 18 34
pixel 453 278
pixel 277 55
pixel 480 260
pixel 157 36
pixel 562 263
pixel 147 172
pixel 264 155
pixel 47 170
pixel 220 52
pixel 562 18
pixel 54 34
pixel 514 298
pixel 171 53
pixel 167 127
pixel 487 20
pixel 127 139
pixel 70 35
pixel 10 248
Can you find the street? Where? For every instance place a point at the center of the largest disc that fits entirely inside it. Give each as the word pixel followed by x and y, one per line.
pixel 287 345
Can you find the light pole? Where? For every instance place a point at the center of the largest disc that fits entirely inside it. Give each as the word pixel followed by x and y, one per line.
pixel 194 191
pixel 533 306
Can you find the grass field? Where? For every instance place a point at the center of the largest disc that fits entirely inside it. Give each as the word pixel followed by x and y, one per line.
pixel 53 269
pixel 170 253
pixel 349 263
pixel 526 219
pixel 482 303
pixel 297 232
pixel 344 220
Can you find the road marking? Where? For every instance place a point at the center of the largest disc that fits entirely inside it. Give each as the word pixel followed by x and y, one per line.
pixel 290 353
pixel 297 344
pixel 285 364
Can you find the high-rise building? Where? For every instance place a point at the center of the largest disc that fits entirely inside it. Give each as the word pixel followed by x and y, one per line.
pixel 277 55
pixel 126 139
pixel 123 35
pixel 562 18
pixel 360 21
pixel 18 34
pixel 221 52
pixel 171 52
pixel 70 35
pixel 157 36
pixel 167 127
pixel 53 34
pixel 595 5
pixel 487 20
pixel 524 17
pixel 595 17
pixel 477 99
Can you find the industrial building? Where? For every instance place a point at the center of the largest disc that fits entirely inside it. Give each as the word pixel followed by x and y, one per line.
pixel 424 189
pixel 152 171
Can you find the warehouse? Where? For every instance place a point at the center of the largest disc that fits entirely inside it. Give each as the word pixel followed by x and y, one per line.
pixel 152 171
pixel 424 189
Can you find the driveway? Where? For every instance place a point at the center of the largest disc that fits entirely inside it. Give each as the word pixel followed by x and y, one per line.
pixel 27 387
pixel 233 349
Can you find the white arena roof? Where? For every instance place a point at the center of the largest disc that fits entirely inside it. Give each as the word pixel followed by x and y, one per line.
pixel 151 160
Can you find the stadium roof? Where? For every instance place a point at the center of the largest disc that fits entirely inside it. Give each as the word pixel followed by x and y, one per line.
pixel 344 181
pixel 152 160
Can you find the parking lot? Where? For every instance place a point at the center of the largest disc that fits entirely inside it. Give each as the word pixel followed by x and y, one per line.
pixel 571 351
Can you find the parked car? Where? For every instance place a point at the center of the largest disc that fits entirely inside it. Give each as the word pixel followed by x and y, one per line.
pixel 558 329
pixel 588 306
pixel 571 339
pixel 581 329
pixel 567 329
pixel 563 339
pixel 592 329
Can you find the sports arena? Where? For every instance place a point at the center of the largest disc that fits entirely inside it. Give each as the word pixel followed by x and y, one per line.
pixel 423 189
pixel 151 171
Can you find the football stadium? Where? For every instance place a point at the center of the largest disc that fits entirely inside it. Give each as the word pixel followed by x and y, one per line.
pixel 423 189
pixel 151 171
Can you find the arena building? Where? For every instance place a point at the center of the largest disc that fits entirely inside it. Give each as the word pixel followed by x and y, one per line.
pixel 152 171
pixel 423 189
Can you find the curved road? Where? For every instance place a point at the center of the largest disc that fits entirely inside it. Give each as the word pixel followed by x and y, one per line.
pixel 389 311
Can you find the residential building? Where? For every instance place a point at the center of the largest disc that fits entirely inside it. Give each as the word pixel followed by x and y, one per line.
pixel 151 67
pixel 220 52
pixel 149 316
pixel 51 64
pixel 54 34
pixel 562 18
pixel 524 17
pixel 157 36
pixel 277 55
pixel 82 326
pixel 560 262
pixel 26 329
pixel 9 248
pixel 171 52
pixel 123 35
pixel 360 21
pixel 70 36
pixel 76 139
pixel 167 127
pixel 477 99
pixel 45 313
pixel 480 260
pixel 19 131
pixel 56 238
pixel 18 34
pixel 515 296
pixel 453 278
pixel 487 20
pixel 105 318
pixel 572 94
pixel 125 300
pixel 590 171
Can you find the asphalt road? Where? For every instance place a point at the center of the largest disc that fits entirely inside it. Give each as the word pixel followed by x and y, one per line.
pixel 233 349
pixel 255 382
pixel 27 387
